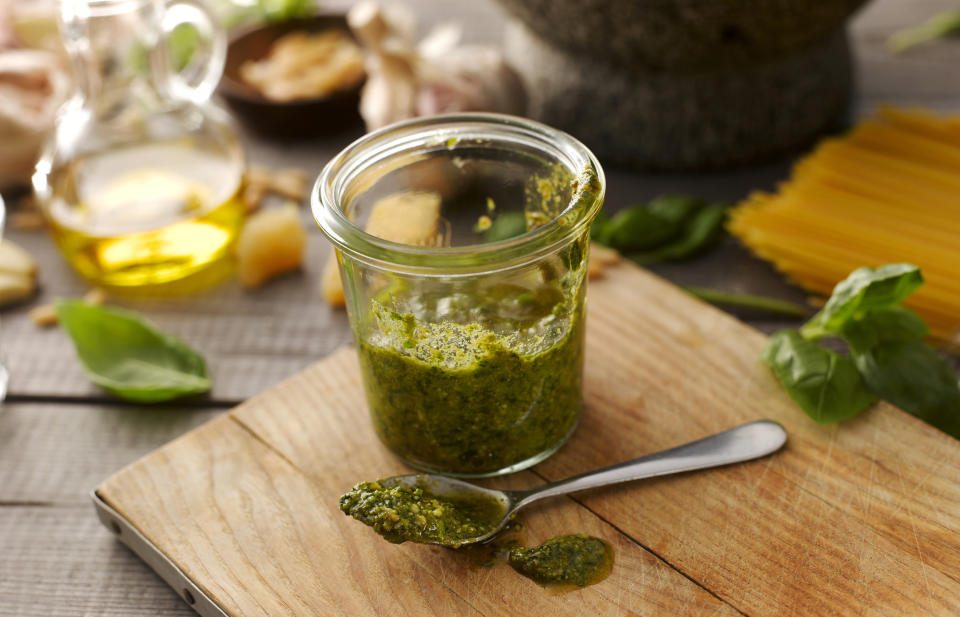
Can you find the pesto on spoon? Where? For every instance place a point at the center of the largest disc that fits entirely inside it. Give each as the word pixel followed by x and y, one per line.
pixel 399 512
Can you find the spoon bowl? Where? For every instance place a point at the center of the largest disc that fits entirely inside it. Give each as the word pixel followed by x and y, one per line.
pixel 502 504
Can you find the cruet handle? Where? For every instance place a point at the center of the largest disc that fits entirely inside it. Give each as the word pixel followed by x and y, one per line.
pixel 196 82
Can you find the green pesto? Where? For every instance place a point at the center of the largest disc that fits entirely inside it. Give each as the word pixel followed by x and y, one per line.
pixel 477 398
pixel 401 513
pixel 547 196
pixel 570 561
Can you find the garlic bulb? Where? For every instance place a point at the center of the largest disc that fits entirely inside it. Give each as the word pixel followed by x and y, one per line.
pixel 32 87
pixel 435 76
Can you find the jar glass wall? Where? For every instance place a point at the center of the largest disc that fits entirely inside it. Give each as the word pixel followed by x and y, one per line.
pixel 466 297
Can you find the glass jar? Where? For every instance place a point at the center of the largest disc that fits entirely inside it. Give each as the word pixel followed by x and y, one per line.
pixel 140 179
pixel 462 242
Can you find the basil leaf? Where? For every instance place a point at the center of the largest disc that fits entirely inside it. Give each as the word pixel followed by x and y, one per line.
pixel 638 229
pixel 865 289
pixel 182 44
pixel 914 377
pixel 699 233
pixel 675 209
pixel 130 358
pixel 646 227
pixel 600 229
pixel 505 226
pixel 282 10
pixel 882 327
pixel 824 384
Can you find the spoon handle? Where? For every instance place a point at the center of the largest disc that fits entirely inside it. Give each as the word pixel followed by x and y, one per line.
pixel 743 443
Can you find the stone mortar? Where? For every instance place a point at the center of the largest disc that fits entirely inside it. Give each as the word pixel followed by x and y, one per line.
pixel 723 117
pixel 682 35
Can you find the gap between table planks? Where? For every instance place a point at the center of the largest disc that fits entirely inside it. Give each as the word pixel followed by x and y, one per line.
pixel 860 519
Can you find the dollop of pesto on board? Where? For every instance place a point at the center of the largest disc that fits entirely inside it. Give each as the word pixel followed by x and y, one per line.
pixel 564 562
pixel 473 395
pixel 402 513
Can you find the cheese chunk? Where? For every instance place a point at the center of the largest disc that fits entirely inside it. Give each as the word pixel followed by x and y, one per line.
pixel 272 242
pixel 410 217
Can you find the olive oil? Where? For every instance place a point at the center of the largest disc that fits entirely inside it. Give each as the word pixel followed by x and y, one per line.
pixel 146 214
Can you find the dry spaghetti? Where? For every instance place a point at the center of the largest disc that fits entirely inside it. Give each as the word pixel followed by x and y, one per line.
pixel 889 191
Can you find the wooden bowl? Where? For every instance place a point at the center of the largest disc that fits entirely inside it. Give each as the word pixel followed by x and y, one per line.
pixel 332 113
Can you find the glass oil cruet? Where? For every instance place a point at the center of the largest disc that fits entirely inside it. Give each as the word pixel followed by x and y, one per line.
pixel 140 179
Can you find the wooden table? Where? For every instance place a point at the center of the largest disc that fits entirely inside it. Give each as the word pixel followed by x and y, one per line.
pixel 61 436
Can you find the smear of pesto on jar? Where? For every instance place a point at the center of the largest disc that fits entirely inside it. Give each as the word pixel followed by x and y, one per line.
pixel 402 513
pixel 564 562
pixel 473 394
pixel 547 197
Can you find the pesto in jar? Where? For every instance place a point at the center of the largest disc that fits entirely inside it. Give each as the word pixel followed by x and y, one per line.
pixel 402 513
pixel 571 561
pixel 474 395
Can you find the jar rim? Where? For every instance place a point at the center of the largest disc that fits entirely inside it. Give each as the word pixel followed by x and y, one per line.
pixel 447 129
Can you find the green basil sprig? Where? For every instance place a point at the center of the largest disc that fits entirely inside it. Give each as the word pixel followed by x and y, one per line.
pixel 130 358
pixel 505 226
pixel 939 26
pixel 914 377
pixel 638 229
pixel 864 290
pixel 700 232
pixel 825 384
pixel 282 10
pixel 676 227
pixel 669 228
pixel 748 301
pixel 888 358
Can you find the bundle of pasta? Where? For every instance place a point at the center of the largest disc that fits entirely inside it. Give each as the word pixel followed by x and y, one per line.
pixel 889 191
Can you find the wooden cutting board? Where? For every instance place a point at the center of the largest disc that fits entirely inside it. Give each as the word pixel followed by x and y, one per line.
pixel 860 519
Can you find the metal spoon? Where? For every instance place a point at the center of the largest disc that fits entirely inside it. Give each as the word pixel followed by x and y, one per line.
pixel 743 443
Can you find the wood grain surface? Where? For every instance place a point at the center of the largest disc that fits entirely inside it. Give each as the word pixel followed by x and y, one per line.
pixel 58 561
pixel 55 557
pixel 55 454
pixel 859 519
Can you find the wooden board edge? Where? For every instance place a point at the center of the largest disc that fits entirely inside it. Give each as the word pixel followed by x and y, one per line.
pixel 141 546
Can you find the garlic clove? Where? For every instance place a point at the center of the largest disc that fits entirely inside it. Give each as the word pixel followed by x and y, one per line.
pixel 15 286
pixel 15 260
pixel 408 217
